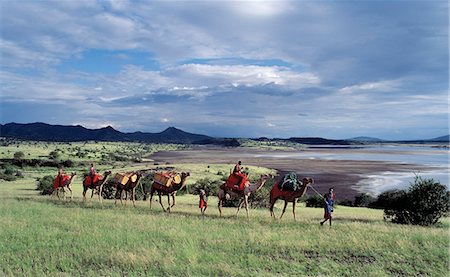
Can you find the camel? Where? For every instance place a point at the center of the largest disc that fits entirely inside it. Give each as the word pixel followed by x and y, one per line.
pixel 130 186
pixel 227 194
pixel 67 181
pixel 98 185
pixel 288 196
pixel 169 191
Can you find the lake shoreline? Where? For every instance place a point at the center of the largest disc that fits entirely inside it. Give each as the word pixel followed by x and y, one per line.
pixel 348 177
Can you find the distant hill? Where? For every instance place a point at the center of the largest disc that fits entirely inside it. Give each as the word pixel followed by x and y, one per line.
pixel 47 132
pixel 441 139
pixel 366 139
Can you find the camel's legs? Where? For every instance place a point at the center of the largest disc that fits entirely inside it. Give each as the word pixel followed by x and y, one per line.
pixel 219 205
pixel 133 194
pixel 284 209
pixel 84 193
pixel 100 198
pixel 121 196
pixel 150 199
pixel 293 208
pixel 71 193
pixel 246 204
pixel 168 202
pixel 92 194
pixel 160 201
pixel 115 195
pixel 126 197
pixel 173 200
pixel 241 201
pixel 272 213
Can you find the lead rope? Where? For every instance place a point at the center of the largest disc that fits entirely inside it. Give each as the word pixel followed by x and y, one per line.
pixel 318 194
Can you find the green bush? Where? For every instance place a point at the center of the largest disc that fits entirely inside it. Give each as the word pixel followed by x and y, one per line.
pixel 386 200
pixel 261 198
pixel 424 203
pixel 363 200
pixel 45 185
pixel 10 172
pixel 19 155
pixel 210 187
pixel 314 201
pixel 109 189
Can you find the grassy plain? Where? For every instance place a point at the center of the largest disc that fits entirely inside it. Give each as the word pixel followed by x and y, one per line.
pixel 40 235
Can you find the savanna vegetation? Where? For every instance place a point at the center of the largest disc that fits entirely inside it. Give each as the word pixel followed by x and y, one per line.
pixel 44 235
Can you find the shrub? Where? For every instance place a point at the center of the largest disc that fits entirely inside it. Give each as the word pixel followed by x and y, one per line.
pixel 261 198
pixel 425 202
pixel 67 163
pixel 10 173
pixel 19 155
pixel 45 184
pixel 109 189
pixel 210 187
pixel 363 200
pixel 54 155
pixel 314 201
pixel 386 200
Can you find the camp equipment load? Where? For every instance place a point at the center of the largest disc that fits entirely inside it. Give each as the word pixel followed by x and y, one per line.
pixel 289 182
pixel 123 178
pixel 236 181
pixel 167 178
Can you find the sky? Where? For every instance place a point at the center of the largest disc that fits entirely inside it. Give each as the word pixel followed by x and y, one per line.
pixel 332 69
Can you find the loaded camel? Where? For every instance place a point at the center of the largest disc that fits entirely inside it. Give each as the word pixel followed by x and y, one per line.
pixel 288 196
pixel 97 184
pixel 227 194
pixel 130 186
pixel 66 181
pixel 169 191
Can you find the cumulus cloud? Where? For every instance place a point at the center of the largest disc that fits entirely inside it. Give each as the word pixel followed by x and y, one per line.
pixel 253 68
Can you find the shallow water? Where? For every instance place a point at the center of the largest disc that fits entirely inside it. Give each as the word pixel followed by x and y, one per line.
pixel 374 184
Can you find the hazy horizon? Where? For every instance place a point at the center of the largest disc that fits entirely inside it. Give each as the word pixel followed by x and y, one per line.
pixel 335 70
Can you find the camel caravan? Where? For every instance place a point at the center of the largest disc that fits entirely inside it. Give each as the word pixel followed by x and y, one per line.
pixel 237 187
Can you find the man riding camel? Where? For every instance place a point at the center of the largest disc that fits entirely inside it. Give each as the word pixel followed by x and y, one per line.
pixel 92 173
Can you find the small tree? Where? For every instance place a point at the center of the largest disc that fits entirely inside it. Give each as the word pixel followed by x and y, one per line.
pixel 45 185
pixel 315 201
pixel 424 203
pixel 54 155
pixel 363 200
pixel 19 155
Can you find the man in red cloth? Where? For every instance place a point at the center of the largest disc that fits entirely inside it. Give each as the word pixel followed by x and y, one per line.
pixel 203 203
pixel 92 173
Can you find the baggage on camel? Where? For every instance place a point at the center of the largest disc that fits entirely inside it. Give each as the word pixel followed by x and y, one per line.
pixel 236 181
pixel 289 182
pixel 123 178
pixel 167 178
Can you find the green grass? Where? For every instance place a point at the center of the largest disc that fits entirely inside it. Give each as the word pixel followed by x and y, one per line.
pixel 46 236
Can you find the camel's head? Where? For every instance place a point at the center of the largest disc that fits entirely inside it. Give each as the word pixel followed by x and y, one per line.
pixel 73 173
pixel 107 173
pixel 185 174
pixel 308 181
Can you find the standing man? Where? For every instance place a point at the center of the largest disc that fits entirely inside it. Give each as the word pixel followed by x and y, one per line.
pixel 203 203
pixel 328 208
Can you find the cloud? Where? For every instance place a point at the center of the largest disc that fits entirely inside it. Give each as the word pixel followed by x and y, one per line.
pixel 307 68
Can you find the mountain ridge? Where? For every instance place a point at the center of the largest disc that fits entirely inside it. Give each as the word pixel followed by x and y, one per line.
pixel 48 132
